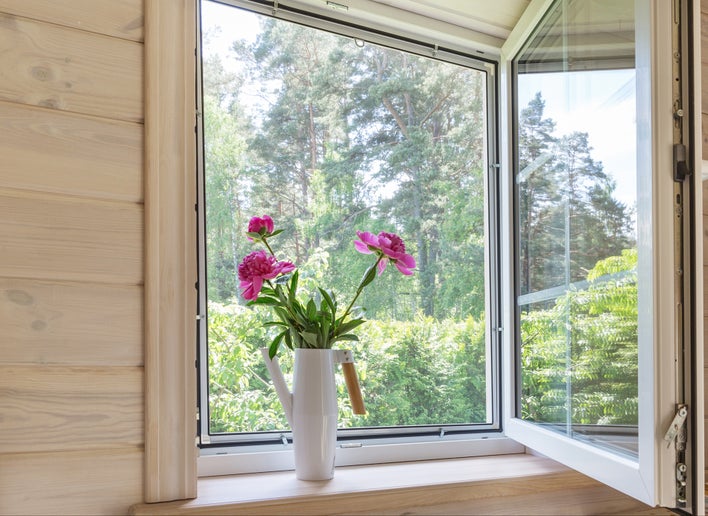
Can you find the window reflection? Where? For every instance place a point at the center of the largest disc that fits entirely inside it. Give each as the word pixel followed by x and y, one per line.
pixel 576 233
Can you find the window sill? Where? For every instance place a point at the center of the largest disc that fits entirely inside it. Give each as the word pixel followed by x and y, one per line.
pixel 502 484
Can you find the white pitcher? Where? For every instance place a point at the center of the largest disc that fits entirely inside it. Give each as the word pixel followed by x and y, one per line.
pixel 311 409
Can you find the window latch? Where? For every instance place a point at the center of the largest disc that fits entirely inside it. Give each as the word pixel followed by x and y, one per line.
pixel 681 170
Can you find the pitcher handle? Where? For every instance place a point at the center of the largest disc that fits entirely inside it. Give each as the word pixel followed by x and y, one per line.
pixel 351 378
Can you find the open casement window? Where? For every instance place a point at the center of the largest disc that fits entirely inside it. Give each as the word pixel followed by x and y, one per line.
pixel 599 347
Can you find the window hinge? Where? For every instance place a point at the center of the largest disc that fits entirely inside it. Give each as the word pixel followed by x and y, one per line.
pixel 677 429
pixel 677 434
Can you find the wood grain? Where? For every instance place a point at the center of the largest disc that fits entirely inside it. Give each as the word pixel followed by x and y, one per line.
pixel 70 323
pixel 170 255
pixel 92 483
pixel 52 151
pixel 61 238
pixel 705 238
pixel 70 70
pixel 54 408
pixel 119 18
pixel 505 484
pixel 704 120
pixel 704 67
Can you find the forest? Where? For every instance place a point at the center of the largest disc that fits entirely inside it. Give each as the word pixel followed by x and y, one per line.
pixel 328 136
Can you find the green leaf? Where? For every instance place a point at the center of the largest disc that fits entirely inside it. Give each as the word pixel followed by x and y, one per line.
pixel 274 323
pixel 346 336
pixel 311 310
pixel 310 338
pixel 264 300
pixel 255 236
pixel 349 325
pixel 277 232
pixel 292 293
pixel 324 332
pixel 283 314
pixel 282 280
pixel 332 304
pixel 369 276
pixel 275 344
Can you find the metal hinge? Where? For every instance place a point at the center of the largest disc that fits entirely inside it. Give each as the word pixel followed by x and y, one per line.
pixel 677 428
pixel 677 434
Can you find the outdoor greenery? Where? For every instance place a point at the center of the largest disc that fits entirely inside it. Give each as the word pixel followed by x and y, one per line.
pixel 328 138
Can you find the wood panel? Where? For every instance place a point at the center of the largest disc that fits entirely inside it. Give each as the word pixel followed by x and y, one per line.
pixel 704 123
pixel 52 151
pixel 71 482
pixel 55 408
pixel 51 237
pixel 170 255
pixel 119 18
pixel 704 74
pixel 70 323
pixel 66 69
pixel 705 237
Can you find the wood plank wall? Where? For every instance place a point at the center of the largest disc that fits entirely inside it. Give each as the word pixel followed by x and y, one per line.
pixel 71 256
pixel 704 123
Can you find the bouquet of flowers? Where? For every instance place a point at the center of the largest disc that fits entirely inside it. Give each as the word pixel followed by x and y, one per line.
pixel 316 322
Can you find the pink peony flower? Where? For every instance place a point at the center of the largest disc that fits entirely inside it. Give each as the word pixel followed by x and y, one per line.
pixel 390 246
pixel 256 267
pixel 263 225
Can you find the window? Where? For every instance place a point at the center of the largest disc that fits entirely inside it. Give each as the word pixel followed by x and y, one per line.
pixel 576 195
pixel 595 239
pixel 330 134
pixel 651 475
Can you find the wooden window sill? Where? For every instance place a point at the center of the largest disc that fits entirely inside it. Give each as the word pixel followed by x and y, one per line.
pixel 502 484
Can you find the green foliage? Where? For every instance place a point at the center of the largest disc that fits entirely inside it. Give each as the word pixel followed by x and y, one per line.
pixel 420 372
pixel 345 138
pixel 581 353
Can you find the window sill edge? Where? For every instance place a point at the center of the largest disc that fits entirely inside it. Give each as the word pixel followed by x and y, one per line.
pixel 384 487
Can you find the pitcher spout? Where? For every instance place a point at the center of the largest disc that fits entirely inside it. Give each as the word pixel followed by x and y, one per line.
pixel 281 388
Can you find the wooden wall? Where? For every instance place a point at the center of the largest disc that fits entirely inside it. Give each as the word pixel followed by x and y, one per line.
pixel 704 103
pixel 71 256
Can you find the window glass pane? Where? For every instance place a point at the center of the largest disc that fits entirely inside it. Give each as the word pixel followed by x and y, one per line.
pixel 576 200
pixel 329 135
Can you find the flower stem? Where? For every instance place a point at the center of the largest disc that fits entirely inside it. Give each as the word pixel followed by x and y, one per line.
pixel 265 242
pixel 362 284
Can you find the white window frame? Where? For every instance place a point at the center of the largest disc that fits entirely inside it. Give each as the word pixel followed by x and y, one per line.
pixel 220 460
pixel 650 479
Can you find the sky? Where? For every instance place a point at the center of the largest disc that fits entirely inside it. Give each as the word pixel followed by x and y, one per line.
pixel 601 103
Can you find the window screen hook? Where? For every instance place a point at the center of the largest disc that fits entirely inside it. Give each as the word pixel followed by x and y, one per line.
pixel 275 7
